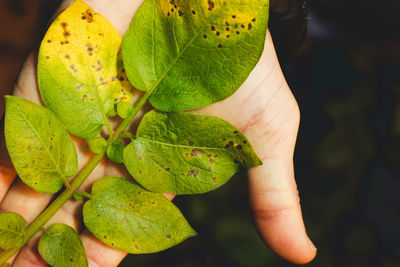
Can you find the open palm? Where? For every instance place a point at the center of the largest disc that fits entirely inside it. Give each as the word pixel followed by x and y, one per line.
pixel 264 109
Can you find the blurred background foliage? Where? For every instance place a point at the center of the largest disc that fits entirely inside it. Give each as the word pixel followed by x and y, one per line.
pixel 347 82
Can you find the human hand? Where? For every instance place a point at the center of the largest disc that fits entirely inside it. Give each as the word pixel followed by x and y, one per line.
pixel 263 109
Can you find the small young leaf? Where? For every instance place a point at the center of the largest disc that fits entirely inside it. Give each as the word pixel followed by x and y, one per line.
pixel 129 218
pixel 61 246
pixel 39 146
pixel 182 153
pixel 12 230
pixel 193 53
pixel 97 144
pixel 115 152
pixel 124 109
pixel 80 71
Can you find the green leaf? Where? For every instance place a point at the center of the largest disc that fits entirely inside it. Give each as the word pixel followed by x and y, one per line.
pixel 193 53
pixel 129 218
pixel 12 230
pixel 61 246
pixel 115 152
pixel 183 153
pixel 39 146
pixel 97 144
pixel 80 70
pixel 124 109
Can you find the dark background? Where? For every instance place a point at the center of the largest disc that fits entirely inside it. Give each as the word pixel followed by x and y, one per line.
pixel 346 79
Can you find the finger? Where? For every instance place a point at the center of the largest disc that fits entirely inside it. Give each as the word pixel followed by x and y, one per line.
pixel 7 171
pixel 265 110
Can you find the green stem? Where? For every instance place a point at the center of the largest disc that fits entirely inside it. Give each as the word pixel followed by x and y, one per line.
pixel 75 185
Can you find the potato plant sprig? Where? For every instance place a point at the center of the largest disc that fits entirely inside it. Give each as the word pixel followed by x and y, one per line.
pixel 185 55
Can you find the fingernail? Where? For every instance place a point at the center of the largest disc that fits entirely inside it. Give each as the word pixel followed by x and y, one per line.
pixel 311 244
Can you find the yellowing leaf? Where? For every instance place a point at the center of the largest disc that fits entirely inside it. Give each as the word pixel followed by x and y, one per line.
pixel 80 70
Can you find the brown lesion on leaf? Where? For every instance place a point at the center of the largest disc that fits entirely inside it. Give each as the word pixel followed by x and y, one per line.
pixel 193 172
pixel 211 5
pixel 89 49
pixel 168 236
pixel 214 179
pixel 197 152
pixel 88 15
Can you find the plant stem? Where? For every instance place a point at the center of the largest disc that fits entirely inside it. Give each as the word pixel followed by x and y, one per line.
pixel 75 185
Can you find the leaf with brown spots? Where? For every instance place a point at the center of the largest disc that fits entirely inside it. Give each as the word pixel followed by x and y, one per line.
pixel 40 148
pixel 192 53
pixel 61 246
pixel 183 153
pixel 12 230
pixel 80 70
pixel 127 217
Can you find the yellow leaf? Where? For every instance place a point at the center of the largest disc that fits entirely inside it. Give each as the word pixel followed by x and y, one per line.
pixel 80 70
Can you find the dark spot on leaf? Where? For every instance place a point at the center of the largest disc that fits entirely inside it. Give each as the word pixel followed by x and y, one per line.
pixel 211 5
pixel 197 152
pixel 83 17
pixel 253 20
pixel 193 12
pixel 193 172
pixel 121 79
pixel 105 237
pixel 249 26
pixel 227 145
pixel 139 157
pixel 244 142
pixel 220 46
pixel 190 143
pixel 209 168
pixel 227 29
pixel 214 179
pixel 237 32
pixel 228 36
pixel 71 259
pixel 168 236
pixel 47 57
pixel 112 244
pixel 136 246
pixel 213 28
pixel 144 227
pixel 48 41
pixel 205 36
pixel 153 202
pixel 209 155
pixel 215 156
pixel 168 14
pixel 226 23
pixel 28 148
pixel 186 154
pixel 172 10
pixel 239 147
pixel 66 34
pixel 236 161
pixel 180 13
pixel 217 33
pixel 67 57
pixel 64 24
pixel 231 143
pixel 235 132
pixel 242 26
pixel 234 16
pixel 211 161
pixel 167 169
